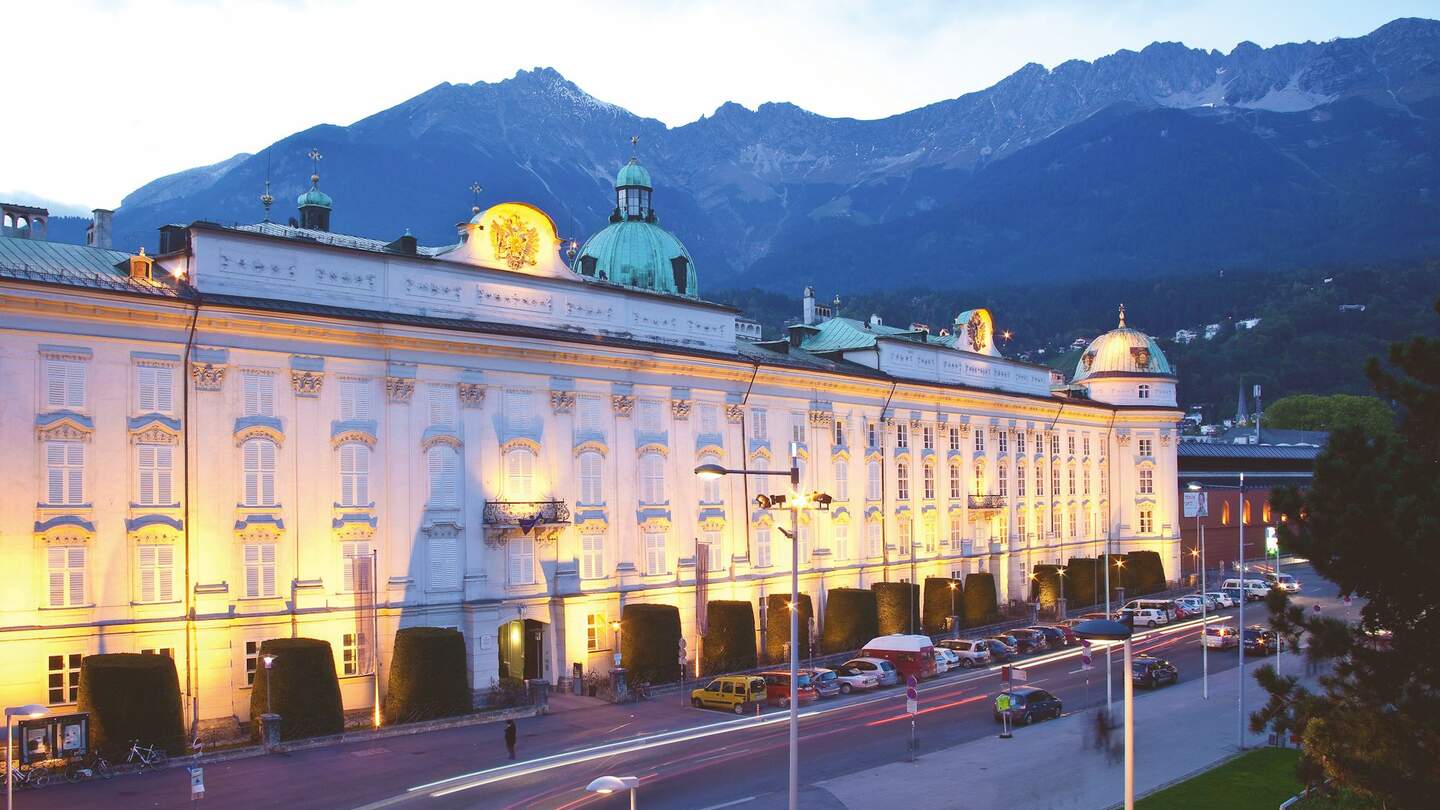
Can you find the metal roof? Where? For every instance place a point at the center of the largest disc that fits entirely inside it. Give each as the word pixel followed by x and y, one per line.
pixel 332 239
pixel 1244 451
pixel 74 265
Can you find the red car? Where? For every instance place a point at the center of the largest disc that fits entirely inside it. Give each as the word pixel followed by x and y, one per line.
pixel 777 688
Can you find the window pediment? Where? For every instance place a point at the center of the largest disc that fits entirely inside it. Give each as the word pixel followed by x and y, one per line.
pixel 64 426
pixel 258 427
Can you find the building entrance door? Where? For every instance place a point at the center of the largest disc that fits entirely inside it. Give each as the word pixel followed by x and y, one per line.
pixel 522 649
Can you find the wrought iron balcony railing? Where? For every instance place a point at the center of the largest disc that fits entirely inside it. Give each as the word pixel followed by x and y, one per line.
pixel 526 514
pixel 987 501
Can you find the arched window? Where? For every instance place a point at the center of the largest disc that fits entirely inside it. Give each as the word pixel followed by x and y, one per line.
pixel 1055 480
pixel 259 460
pixel 1039 477
pixel 592 478
pixel 872 481
pixel 652 479
pixel 1225 513
pixel 1246 518
pixel 443 465
pixel 1071 472
pixel 1002 478
pixel 902 481
pixel 842 480
pixel 520 474
pixel 979 478
pixel 929 479
pixel 957 486
pixel 1019 479
pixel 1265 513
pixel 710 487
pixel 354 474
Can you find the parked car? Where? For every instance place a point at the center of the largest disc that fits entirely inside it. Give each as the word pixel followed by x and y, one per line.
pixel 1001 647
pixel 967 652
pixel 827 683
pixel 1261 640
pixel 1221 637
pixel 945 660
pixel 1085 617
pixel 1235 595
pixel 1192 605
pixel 735 693
pixel 1254 589
pixel 1284 582
pixel 1144 617
pixel 1029 640
pixel 911 654
pixel 883 670
pixel 1165 606
pixel 777 687
pixel 1147 670
pixel 1028 704
pixel 1222 599
pixel 852 679
pixel 1054 636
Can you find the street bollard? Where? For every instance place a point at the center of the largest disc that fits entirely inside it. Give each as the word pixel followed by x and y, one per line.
pixel 539 690
pixel 270 732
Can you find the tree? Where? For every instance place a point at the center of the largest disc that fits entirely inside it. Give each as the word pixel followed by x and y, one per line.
pixel 1369 523
pixel 1330 412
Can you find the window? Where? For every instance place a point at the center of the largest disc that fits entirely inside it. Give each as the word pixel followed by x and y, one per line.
pixel 1039 478
pixel 252 661
pixel 64 383
pixel 759 425
pixel 871 437
pixel 654 553
pixel 1147 521
pixel 259 462
pixel 521 552
pixel 1074 524
pixel 709 419
pixel 979 439
pixel 64 672
pixel 797 427
pixel 1055 480
pixel 902 481
pixel 592 556
pixel 904 526
pixel 652 479
pixel 839 437
pixel 64 473
pixel 444 563
pixel 259 570
pixel 590 411
pixel 842 480
pixel 902 435
pixel 872 481
pixel 354 474
pixel 592 478
pixel 1002 478
pixel 762 547
pixel 1225 513
pixel 519 413
pixel 955 439
pixel 1087 445
pixel 928 473
pixel 760 484
pixel 928 441
pixel 957 532
pixel 1104 481
pixel 841 534
pixel 1004 441
pixel 597 632
pixel 874 539
pixel 157 572
pixel 1265 513
pixel 1147 481
pixel 66 575
pixel 259 393
pixel 1002 526
pixel 154 389
pixel 444 407
pixel 355 654
pixel 1055 521
pixel 153 475
pixel 354 398
pixel 355 567
pixel 1146 447
pixel 1019 479
pixel 715 557
pixel 979 479
pixel 1054 444
pixel 1085 479
pixel 1071 479
pixel 956 486
pixel 803 544
pixel 1246 510
pixel 1143 391
pixel 930 537
pixel 443 468
pixel 648 418
pixel 1039 444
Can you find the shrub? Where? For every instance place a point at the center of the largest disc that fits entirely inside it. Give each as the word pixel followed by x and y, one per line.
pixel 729 642
pixel 131 697
pixel 777 625
pixel 980 603
pixel 940 601
pixel 428 676
pixel 1045 585
pixel 506 693
pixel 1119 576
pixel 1081 587
pixel 301 688
pixel 897 607
pixel 1144 573
pixel 850 619
pixel 650 643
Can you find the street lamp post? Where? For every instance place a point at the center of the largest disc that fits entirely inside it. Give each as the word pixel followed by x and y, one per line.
pixel 1195 486
pixel 28 710
pixel 609 784
pixel 954 617
pixel 269 664
pixel 1107 630
pixel 1204 600
pixel 712 471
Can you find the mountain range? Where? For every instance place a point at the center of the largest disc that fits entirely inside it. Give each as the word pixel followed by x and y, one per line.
pixel 1139 163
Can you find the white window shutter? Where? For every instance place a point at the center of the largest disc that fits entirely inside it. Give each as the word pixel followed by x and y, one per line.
pixel 55 473
pixel 267 472
pixel 56 564
pixel 252 570
pixel 164 465
pixel 267 567
pixel 147 573
pixel 55 383
pixel 362 474
pixel 164 389
pixel 165 560
pixel 444 563
pixel 75 473
pixel 146 473
pixel 76 561
pixel 347 564
pixel 75 394
pixel 145 388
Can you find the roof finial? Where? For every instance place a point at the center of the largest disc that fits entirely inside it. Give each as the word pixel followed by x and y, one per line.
pixel 476 188
pixel 1122 316
pixel 634 147
pixel 315 157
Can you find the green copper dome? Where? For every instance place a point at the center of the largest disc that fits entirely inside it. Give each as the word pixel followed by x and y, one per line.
pixel 633 250
pixel 314 196
pixel 633 174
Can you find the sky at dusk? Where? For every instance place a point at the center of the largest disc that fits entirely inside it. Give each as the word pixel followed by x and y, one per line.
pixel 107 95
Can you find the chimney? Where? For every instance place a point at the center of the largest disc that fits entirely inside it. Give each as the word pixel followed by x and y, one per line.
pixel 876 321
pixel 101 228
pixel 809 306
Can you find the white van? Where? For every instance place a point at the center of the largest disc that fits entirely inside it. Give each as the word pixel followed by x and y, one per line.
pixel 1165 606
pixel 1254 588
pixel 1145 617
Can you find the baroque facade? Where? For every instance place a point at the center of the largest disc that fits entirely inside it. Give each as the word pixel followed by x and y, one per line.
pixel 270 430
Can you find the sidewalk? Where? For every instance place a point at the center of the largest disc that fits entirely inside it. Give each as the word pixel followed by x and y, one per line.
pixel 1177 734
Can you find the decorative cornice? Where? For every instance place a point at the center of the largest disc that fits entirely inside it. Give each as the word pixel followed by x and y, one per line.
pixel 64 426
pixel 207 376
pixel 819 418
pixel 65 530
pixel 262 525
pixel 441 438
pixel 622 403
pixel 653 447
pixel 399 389
pixel 520 442
pixel 153 428
pixel 261 427
pixel 592 446
pixel 472 395
pixel 154 528
pixel 680 409
pixel 354 523
pixel 562 401
pixel 306 383
pixel 1123 437
pixel 346 431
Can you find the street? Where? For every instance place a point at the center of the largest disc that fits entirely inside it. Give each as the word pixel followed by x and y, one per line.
pixel 684 757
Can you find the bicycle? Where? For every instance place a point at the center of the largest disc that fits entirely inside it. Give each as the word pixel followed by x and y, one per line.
pixel 95 764
pixel 35 776
pixel 149 757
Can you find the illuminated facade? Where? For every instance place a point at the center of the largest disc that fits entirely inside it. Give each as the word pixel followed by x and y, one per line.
pixel 198 465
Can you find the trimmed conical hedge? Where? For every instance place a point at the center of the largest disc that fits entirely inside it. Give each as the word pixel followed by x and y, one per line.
pixel 1081 583
pixel 301 687
pixel 981 607
pixel 777 625
pixel 650 643
pixel 850 619
pixel 1144 573
pixel 1045 585
pixel 897 607
pixel 729 642
pixel 428 676
pixel 940 601
pixel 131 697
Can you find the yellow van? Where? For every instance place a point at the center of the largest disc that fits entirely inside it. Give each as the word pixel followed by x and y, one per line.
pixel 733 692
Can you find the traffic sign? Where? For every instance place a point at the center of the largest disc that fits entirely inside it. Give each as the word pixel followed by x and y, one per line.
pixel 912 706
pixel 911 682
pixel 911 694
pixel 1005 672
pixel 1085 653
pixel 1018 675
pixel 197 783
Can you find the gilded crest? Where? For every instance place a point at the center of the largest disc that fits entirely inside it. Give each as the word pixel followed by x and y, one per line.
pixel 1088 358
pixel 515 243
pixel 1141 355
pixel 979 332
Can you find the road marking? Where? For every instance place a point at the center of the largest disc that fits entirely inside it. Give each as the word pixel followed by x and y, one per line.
pixel 729 803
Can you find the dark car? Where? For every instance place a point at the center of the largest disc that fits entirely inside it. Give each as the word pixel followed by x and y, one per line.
pixel 1028 641
pixel 1028 704
pixel 1236 595
pixel 1258 639
pixel 1002 647
pixel 1055 637
pixel 1147 670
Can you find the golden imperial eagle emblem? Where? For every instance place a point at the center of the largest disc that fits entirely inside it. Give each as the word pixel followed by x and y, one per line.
pixel 979 332
pixel 515 243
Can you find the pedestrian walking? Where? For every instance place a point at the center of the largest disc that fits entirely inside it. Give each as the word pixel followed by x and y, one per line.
pixel 510 737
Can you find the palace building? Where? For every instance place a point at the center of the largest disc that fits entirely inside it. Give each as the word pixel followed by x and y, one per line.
pixel 269 430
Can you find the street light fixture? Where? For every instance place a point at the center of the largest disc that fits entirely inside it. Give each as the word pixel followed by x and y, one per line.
pixel 606 785
pixel 817 500
pixel 1106 630
pixel 1202 563
pixel 269 660
pixel 27 711
pixel 1196 486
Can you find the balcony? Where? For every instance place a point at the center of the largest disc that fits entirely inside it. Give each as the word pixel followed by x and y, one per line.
pixel 525 514
pixel 987 502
